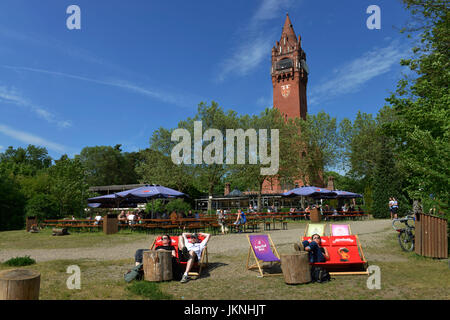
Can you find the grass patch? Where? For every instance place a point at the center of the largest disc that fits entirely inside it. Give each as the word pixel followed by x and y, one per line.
pixel 404 275
pixel 21 239
pixel 20 261
pixel 148 290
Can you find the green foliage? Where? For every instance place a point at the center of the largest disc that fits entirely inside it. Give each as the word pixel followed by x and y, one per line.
pixel 12 203
pixel 106 165
pixel 157 205
pixel 42 206
pixel 385 182
pixel 148 290
pixel 421 103
pixel 178 205
pixel 68 186
pixel 20 261
pixel 24 161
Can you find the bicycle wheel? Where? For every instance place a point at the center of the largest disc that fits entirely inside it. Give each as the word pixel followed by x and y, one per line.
pixel 406 241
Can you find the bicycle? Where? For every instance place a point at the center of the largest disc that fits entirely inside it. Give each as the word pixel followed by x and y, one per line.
pixel 406 235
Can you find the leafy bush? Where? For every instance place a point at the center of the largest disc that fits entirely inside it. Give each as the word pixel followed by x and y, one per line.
pixel 155 206
pixel 149 290
pixel 42 206
pixel 20 261
pixel 178 205
pixel 11 205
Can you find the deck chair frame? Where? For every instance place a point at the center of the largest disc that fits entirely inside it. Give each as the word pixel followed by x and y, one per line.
pixel 259 265
pixel 324 229
pixel 337 224
pixel 202 262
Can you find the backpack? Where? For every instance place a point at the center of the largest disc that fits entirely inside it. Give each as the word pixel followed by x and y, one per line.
pixel 137 273
pixel 319 274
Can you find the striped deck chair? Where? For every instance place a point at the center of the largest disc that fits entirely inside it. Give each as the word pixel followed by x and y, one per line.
pixel 263 250
pixel 340 230
pixel 315 228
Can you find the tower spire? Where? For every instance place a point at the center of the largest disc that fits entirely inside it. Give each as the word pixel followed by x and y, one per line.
pixel 288 30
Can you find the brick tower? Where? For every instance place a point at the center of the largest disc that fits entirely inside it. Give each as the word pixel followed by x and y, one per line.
pixel 289 74
pixel 289 78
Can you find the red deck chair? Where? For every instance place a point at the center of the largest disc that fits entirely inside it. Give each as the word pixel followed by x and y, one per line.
pixel 203 261
pixel 346 255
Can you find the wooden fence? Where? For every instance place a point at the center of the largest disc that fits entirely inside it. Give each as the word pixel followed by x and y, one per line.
pixel 431 239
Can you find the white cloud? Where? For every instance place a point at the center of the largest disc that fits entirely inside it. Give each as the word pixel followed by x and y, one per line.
pixel 182 100
pixel 29 138
pixel 351 76
pixel 254 45
pixel 13 96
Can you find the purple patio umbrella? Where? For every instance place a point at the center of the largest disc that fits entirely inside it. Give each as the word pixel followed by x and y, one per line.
pixel 314 192
pixel 345 194
pixel 137 195
pixel 150 192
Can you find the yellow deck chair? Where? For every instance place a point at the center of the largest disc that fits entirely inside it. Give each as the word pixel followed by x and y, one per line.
pixel 315 228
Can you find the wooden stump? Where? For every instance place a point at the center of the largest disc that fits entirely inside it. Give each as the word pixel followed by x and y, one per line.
pixel 315 215
pixel 59 232
pixel 157 265
pixel 19 284
pixel 296 268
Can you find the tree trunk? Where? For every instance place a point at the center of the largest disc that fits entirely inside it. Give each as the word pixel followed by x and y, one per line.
pixel 19 284
pixel 259 195
pixel 157 265
pixel 296 268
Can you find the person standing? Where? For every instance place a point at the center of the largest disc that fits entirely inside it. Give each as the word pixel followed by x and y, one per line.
pixel 395 207
pixel 391 204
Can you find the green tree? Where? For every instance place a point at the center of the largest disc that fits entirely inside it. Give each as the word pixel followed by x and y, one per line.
pixel 319 148
pixel 106 165
pixel 68 186
pixel 421 103
pixel 42 206
pixel 12 204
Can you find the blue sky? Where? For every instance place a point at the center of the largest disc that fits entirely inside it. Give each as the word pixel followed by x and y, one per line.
pixel 138 65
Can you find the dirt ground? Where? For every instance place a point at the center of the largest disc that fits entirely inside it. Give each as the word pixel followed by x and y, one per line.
pixel 370 232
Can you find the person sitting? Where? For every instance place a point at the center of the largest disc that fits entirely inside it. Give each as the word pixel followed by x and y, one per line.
pixel 131 218
pixel 191 250
pixel 317 253
pixel 173 217
pixel 240 219
pixel 98 218
pixel 307 212
pixel 166 245
pixel 221 220
pixel 122 217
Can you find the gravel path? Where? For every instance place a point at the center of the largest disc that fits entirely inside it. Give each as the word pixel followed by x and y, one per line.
pixel 370 232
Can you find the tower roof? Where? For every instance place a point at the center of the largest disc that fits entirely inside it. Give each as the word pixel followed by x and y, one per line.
pixel 288 29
